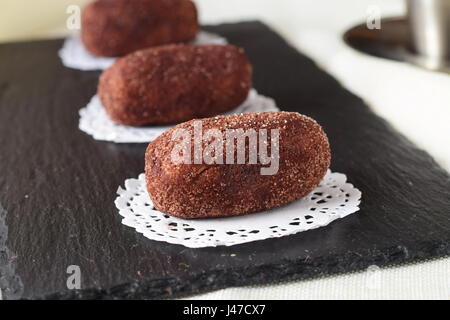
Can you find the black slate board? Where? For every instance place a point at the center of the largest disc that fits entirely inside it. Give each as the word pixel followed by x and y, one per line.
pixel 58 186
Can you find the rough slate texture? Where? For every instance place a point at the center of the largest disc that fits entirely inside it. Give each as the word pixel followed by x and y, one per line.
pixel 57 187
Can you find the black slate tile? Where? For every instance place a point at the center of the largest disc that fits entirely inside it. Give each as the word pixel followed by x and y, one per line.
pixel 58 186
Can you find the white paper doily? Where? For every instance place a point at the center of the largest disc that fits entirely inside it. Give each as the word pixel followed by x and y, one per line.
pixel 75 56
pixel 95 121
pixel 333 199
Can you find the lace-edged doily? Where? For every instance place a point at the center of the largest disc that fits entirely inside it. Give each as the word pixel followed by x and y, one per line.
pixel 75 56
pixel 333 199
pixel 95 121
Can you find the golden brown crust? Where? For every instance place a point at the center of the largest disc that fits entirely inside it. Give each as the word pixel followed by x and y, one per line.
pixel 114 28
pixel 175 83
pixel 205 191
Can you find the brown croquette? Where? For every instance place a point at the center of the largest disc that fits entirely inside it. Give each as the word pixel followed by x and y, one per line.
pixel 114 28
pixel 212 190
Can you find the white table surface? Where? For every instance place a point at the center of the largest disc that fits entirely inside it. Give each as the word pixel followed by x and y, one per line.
pixel 414 101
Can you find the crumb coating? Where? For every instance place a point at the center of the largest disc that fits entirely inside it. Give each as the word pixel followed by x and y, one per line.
pixel 175 83
pixel 193 191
